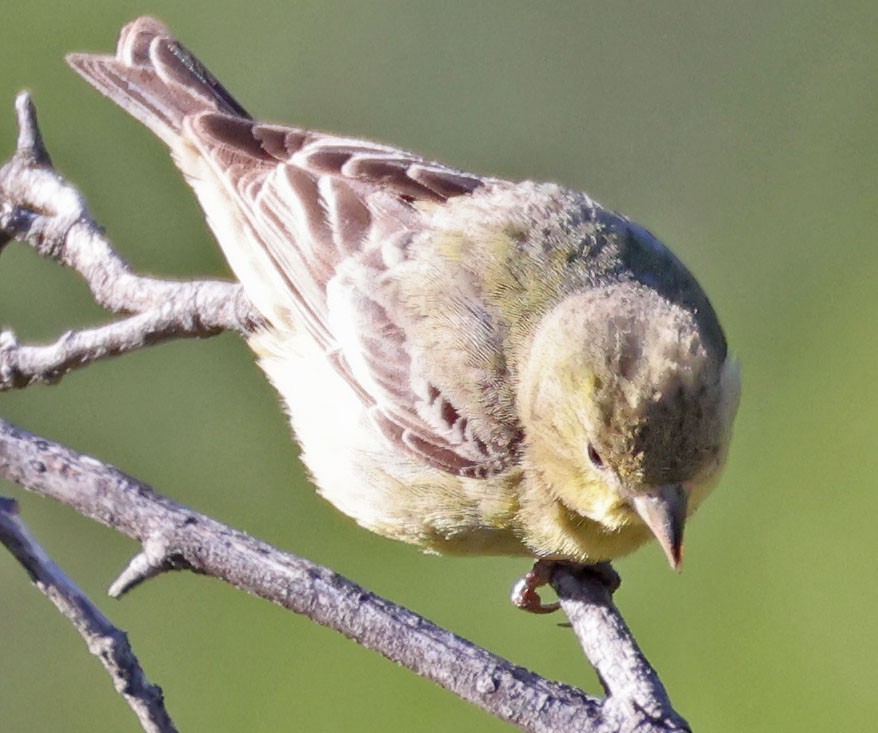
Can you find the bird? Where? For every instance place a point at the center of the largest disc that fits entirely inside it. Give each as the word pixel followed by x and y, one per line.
pixel 471 365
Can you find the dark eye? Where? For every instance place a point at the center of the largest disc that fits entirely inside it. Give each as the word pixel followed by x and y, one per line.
pixel 595 457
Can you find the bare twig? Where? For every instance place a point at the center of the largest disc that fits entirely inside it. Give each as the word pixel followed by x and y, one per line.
pixel 103 639
pixel 38 206
pixel 633 688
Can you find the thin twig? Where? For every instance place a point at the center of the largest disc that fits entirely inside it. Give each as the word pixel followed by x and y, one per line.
pixel 39 207
pixel 633 688
pixel 105 641
pixel 22 365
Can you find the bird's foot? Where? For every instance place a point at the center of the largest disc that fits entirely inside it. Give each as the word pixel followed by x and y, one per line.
pixel 524 592
pixel 526 597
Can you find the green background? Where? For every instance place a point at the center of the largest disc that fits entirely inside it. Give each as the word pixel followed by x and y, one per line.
pixel 743 134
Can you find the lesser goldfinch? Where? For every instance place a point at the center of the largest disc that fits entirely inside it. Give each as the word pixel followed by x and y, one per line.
pixel 471 365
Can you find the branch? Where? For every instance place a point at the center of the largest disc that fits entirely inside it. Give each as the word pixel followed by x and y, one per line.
pixel 176 536
pixel 634 690
pixel 103 639
pixel 39 207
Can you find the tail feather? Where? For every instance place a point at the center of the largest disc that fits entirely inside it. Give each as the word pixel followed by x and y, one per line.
pixel 155 79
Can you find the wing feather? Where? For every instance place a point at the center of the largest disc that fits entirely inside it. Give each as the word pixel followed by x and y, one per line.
pixel 334 218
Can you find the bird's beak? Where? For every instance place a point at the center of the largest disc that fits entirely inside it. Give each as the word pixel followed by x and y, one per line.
pixel 663 509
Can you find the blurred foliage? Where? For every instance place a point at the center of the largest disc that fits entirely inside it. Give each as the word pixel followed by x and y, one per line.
pixel 741 133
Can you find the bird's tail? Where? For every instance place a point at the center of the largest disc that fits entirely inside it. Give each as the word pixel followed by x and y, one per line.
pixel 155 79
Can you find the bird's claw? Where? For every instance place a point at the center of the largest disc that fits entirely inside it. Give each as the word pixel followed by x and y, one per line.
pixel 526 597
pixel 524 592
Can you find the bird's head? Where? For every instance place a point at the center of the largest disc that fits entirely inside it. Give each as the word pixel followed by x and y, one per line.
pixel 627 406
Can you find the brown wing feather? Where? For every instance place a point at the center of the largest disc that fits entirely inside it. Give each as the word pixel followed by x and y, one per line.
pixel 334 215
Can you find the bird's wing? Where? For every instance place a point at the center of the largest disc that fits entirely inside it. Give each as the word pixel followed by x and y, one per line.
pixel 327 219
pixel 337 217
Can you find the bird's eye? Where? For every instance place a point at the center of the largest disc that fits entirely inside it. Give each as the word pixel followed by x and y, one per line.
pixel 595 457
